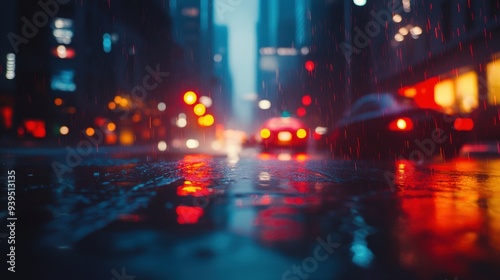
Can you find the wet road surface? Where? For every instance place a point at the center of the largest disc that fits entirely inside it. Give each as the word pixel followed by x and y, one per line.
pixel 259 216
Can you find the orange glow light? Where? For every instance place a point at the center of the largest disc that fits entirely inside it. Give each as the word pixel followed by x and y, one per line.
pixel 127 137
pixel 90 131
pixel 190 97
pixel 156 122
pixel 193 190
pixel 136 118
pixel 199 109
pixel 110 138
pixel 58 101
pixel 444 93
pixel 111 126
pixel 123 102
pixel 410 92
pixel 112 105
pixel 208 120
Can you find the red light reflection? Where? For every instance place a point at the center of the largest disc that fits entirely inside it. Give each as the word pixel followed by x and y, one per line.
pixel 130 218
pixel 196 189
pixel 195 168
pixel 188 214
pixel 279 224
pixel 448 225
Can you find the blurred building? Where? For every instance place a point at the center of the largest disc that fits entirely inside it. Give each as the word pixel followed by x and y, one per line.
pixel 302 57
pixel 443 54
pixel 223 82
pixel 8 65
pixel 77 65
pixel 131 67
pixel 284 40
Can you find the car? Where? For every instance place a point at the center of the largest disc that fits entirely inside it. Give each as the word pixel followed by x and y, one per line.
pixel 283 132
pixel 383 125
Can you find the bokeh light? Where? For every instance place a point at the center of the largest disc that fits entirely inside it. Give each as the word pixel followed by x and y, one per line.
pixel 89 131
pixel 111 126
pixel 190 97
pixel 192 144
pixel 64 130
pixel 199 109
pixel 162 106
pixel 264 104
pixel 162 146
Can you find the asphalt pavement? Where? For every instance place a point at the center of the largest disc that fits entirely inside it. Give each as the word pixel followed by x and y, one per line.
pixel 147 215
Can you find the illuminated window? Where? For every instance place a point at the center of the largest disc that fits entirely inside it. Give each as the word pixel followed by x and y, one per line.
pixel 493 82
pixel 444 93
pixel 467 91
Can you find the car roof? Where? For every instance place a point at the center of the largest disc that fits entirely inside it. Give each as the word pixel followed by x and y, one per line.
pixel 386 102
pixel 283 122
pixel 382 104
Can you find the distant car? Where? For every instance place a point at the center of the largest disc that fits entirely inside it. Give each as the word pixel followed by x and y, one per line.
pixel 387 126
pixel 284 132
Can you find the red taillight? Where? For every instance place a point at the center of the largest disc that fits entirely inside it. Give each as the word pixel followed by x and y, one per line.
pixel 401 124
pixel 463 124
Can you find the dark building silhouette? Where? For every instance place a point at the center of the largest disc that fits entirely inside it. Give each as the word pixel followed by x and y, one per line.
pixel 72 59
pixel 284 38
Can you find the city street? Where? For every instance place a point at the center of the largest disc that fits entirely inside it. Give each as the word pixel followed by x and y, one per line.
pixel 253 216
pixel 250 140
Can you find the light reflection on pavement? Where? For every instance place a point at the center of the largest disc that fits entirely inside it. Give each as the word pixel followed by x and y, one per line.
pixel 256 216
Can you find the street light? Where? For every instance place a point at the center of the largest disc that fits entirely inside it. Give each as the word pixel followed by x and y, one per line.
pixel 359 3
